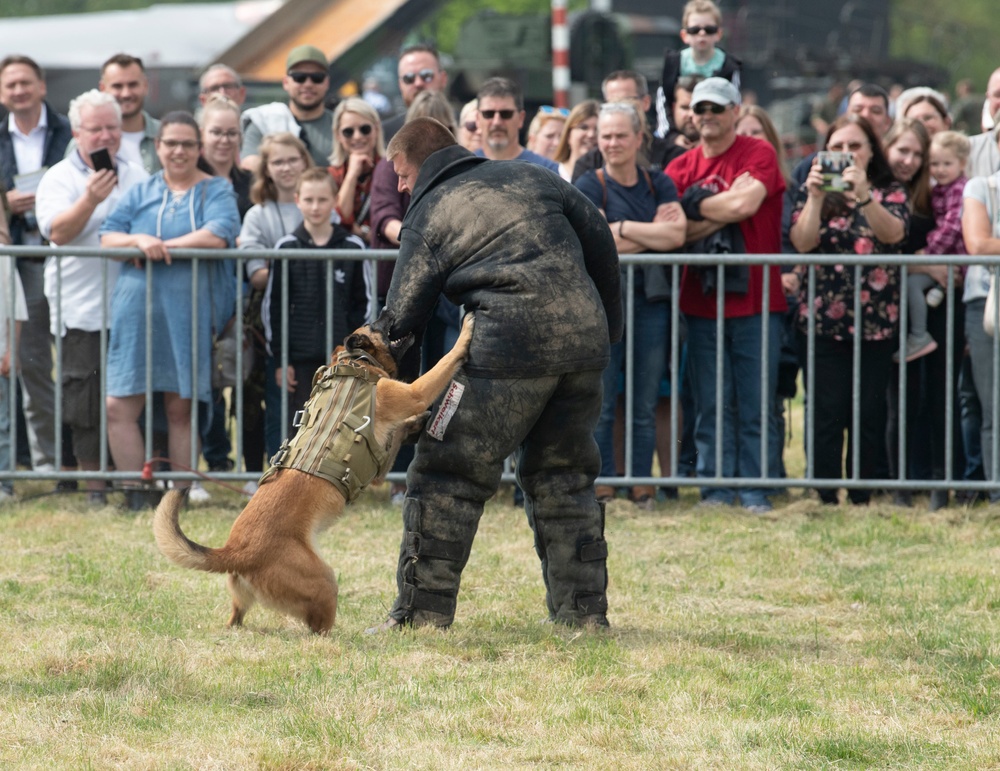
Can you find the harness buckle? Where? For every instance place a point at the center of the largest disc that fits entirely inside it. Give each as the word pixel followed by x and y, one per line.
pixel 298 418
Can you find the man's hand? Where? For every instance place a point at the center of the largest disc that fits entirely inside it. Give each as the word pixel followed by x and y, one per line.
pixel 20 202
pixel 99 185
pixel 292 382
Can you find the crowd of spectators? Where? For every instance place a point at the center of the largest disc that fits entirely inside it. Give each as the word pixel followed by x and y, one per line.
pixel 688 169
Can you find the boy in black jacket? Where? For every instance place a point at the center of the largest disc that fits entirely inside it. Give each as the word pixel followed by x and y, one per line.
pixel 309 316
pixel 701 29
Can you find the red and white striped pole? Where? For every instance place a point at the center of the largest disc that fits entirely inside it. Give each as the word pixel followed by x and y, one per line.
pixel 560 55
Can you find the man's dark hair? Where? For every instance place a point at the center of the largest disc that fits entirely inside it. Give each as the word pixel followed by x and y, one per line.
pixel 123 61
pixel 687 83
pixel 872 90
pixel 25 60
pixel 418 139
pixel 426 48
pixel 501 88
pixel 641 86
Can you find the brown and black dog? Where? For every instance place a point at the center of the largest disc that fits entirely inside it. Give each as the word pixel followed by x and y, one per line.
pixel 270 554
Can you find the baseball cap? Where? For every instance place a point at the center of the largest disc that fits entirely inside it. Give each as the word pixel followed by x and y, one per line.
pixel 717 91
pixel 301 54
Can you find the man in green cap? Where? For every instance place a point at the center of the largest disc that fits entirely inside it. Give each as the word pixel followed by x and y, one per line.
pixel 307 80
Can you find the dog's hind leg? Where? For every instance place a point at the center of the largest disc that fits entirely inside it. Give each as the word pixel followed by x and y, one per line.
pixel 243 598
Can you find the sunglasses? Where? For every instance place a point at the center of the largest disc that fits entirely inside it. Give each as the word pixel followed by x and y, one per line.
pixel 312 77
pixel 411 77
pixel 364 129
pixel 709 29
pixel 504 114
pixel 471 126
pixel 716 109
pixel 548 109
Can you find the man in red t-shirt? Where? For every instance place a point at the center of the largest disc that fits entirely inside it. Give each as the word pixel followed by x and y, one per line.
pixel 731 190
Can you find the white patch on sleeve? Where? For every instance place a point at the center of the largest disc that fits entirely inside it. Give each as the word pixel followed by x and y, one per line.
pixel 449 405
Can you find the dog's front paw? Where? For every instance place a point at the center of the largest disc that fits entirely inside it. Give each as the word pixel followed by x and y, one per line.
pixel 415 423
pixel 465 337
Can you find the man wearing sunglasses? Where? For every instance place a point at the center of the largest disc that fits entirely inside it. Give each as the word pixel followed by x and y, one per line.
pixel 500 118
pixel 307 81
pixel 701 31
pixel 731 191
pixel 419 70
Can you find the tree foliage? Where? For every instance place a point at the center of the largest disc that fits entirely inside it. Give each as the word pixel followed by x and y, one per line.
pixel 959 35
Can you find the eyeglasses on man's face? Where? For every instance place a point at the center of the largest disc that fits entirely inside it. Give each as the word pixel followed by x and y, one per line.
pixel 409 78
pixel 312 77
pixel 504 114
pixel 228 87
pixel 716 109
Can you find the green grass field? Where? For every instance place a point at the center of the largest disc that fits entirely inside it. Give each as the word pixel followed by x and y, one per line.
pixel 812 638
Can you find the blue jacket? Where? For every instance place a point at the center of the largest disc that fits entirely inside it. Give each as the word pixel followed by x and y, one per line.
pixel 57 137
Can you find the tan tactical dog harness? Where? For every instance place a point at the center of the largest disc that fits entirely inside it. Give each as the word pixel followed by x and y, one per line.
pixel 336 436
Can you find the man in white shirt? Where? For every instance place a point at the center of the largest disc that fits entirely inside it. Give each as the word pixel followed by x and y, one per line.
pixel 72 201
pixel 33 137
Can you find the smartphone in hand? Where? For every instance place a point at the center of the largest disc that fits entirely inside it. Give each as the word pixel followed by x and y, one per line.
pixel 102 160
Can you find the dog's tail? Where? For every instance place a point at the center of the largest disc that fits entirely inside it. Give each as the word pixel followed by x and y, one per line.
pixel 176 546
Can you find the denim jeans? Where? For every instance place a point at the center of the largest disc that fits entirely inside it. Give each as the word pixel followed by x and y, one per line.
pixel 981 354
pixel 651 323
pixel 742 348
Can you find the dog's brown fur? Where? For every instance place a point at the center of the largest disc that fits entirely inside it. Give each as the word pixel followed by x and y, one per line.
pixel 270 554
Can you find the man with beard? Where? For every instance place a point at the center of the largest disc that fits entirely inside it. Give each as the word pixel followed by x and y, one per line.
pixel 307 81
pixel 500 117
pixel 124 77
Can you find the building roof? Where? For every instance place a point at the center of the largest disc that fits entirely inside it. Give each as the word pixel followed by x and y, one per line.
pixel 187 35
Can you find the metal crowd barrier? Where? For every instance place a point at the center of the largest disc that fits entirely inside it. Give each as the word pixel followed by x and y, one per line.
pixel 674 262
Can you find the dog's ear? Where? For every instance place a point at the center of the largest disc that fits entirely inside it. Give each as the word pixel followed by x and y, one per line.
pixel 358 341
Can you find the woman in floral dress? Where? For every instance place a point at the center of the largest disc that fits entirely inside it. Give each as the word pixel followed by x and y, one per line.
pixel 870 218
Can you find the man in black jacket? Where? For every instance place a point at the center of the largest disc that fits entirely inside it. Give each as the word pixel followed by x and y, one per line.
pixel 536 262
pixel 32 138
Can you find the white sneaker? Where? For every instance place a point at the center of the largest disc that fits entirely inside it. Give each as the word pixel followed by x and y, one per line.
pixel 251 487
pixel 197 493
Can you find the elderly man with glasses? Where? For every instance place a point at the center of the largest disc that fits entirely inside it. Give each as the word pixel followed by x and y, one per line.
pixel 307 81
pixel 221 79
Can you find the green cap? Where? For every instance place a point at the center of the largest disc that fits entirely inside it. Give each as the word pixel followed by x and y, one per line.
pixel 301 54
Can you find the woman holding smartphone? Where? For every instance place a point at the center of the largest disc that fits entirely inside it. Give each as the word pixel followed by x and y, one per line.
pixel 871 217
